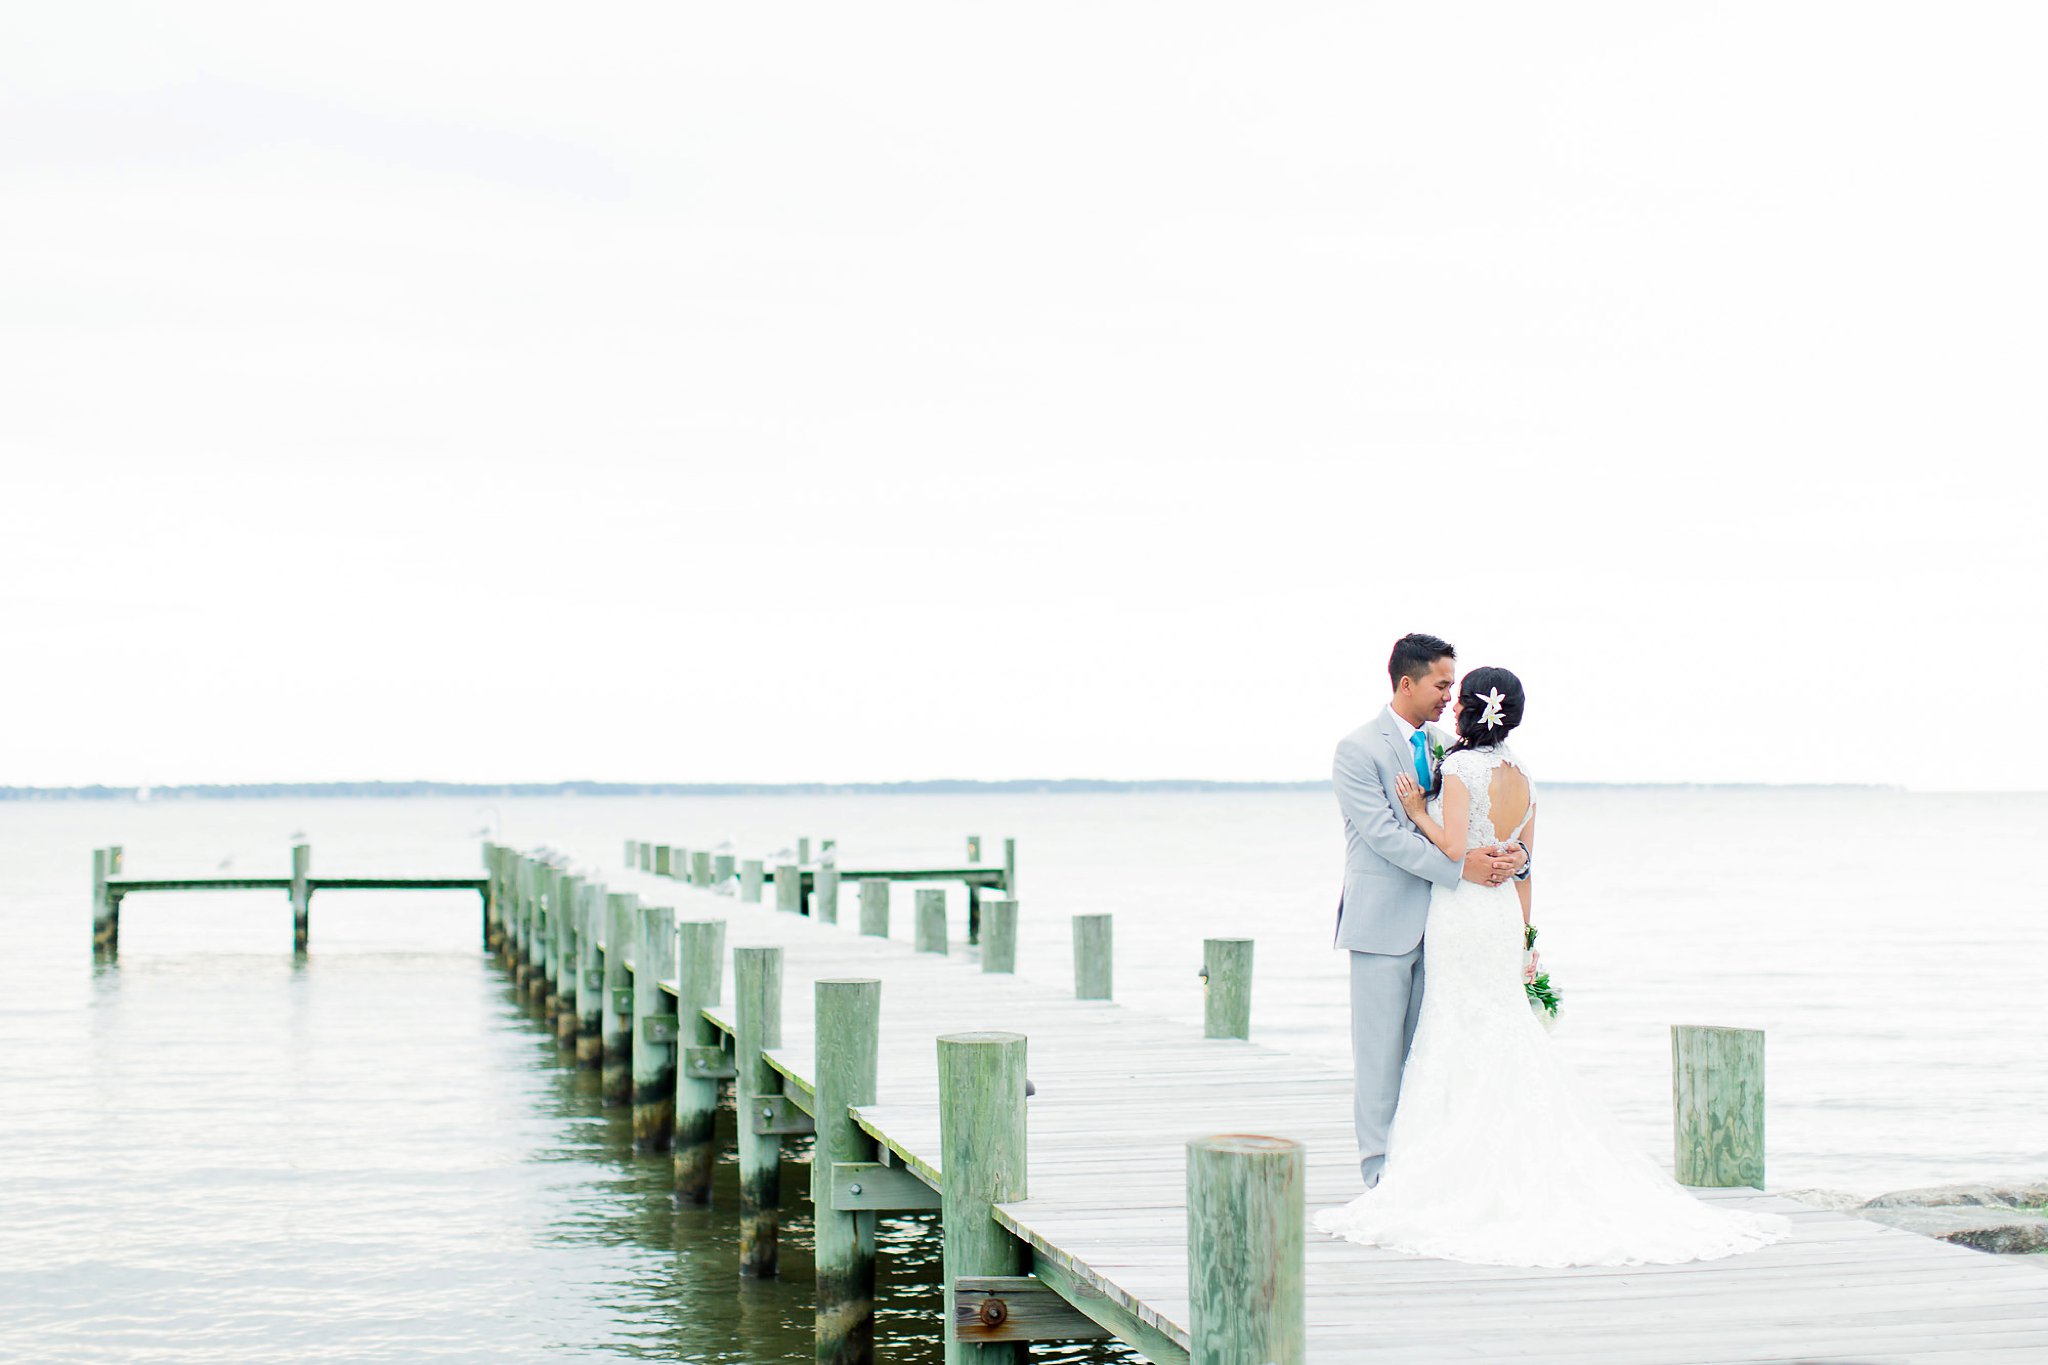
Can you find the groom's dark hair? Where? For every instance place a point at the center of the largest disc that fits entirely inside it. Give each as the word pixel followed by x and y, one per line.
pixel 1414 654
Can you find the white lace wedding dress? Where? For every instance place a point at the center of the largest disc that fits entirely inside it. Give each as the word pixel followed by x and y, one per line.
pixel 1495 1155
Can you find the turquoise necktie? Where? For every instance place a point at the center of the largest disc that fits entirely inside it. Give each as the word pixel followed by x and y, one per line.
pixel 1421 747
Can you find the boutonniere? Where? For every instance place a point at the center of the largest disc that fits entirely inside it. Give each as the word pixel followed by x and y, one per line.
pixel 1436 753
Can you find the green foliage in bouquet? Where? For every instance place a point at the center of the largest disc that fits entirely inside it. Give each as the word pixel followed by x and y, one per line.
pixel 1541 993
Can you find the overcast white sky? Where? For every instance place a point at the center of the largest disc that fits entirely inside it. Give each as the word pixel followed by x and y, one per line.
pixel 828 391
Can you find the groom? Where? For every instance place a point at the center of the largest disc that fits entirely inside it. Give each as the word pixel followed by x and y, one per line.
pixel 1389 867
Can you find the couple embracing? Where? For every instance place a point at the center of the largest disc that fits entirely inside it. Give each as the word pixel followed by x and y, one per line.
pixel 1475 1142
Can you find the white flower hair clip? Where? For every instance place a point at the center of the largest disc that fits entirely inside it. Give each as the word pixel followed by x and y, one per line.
pixel 1491 717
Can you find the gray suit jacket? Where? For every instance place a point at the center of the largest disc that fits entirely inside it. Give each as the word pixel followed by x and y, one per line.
pixel 1389 865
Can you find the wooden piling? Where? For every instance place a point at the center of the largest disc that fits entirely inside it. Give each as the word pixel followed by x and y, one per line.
pixel 616 1025
pixel 931 919
pixel 700 982
pixel 1245 1216
pixel 999 934
pixel 590 978
pixel 825 894
pixel 750 881
pixel 568 983
pixel 723 868
pixel 803 850
pixel 700 867
pixel 874 907
pixel 974 848
pixel 654 1060
pixel 848 1025
pixel 117 859
pixel 632 848
pixel 1094 957
pixel 757 1025
pixel 1717 1106
pixel 1227 988
pixel 1010 866
pixel 302 896
pixel 540 983
pixel 490 895
pixel 106 911
pixel 982 1153
pixel 789 888
pixel 661 860
pixel 529 923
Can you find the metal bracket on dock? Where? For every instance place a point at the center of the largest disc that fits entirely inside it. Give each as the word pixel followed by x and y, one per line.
pixel 661 1028
pixel 622 999
pixel 708 1064
pixel 1017 1308
pixel 773 1114
pixel 869 1185
pixel 593 978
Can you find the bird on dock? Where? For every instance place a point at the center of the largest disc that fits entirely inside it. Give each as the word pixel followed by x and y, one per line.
pixel 225 863
pixel 296 834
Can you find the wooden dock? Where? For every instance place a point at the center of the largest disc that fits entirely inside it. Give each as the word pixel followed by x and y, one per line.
pixel 1098 1217
pixel 1102 1173
pixel 110 888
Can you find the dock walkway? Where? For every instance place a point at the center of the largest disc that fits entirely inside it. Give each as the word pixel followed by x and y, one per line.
pixel 1120 1093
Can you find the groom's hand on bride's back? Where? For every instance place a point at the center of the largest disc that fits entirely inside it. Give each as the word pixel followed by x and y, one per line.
pixel 1493 866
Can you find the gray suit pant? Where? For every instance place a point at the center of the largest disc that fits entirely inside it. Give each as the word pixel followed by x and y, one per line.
pixel 1386 1000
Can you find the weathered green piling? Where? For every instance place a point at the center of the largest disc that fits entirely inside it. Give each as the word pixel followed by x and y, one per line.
pixel 874 907
pixel 803 850
pixel 974 848
pixel 700 983
pixel 661 860
pixel 616 1028
pixel 1245 1216
pixel 632 849
pixel 654 1030
pixel 117 860
pixel 510 912
pixel 700 867
pixel 568 949
pixel 490 896
pixel 1227 988
pixel 540 986
pixel 825 894
pixel 750 881
pixel 302 896
pixel 106 911
pixel 723 868
pixel 1717 1106
pixel 530 872
pixel 999 934
pixel 931 919
pixel 848 1024
pixel 646 861
pixel 1094 957
pixel 982 1154
pixel 757 1027
pixel 789 888
pixel 590 978
pixel 1010 866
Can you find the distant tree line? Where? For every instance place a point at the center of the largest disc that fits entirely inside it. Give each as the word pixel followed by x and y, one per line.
pixel 206 791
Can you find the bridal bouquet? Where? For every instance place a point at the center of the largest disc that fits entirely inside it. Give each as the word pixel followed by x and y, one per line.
pixel 1542 995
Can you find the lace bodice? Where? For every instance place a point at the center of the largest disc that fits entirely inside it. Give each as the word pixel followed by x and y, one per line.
pixel 1474 767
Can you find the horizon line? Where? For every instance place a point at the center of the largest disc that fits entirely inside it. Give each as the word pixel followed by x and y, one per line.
pixel 942 786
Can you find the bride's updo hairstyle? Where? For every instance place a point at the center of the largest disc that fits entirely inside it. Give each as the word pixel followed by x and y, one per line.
pixel 1472 734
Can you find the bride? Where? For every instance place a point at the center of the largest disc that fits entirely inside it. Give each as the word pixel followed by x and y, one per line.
pixel 1495 1156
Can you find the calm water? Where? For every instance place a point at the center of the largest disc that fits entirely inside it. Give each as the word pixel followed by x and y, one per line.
pixel 214 1154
